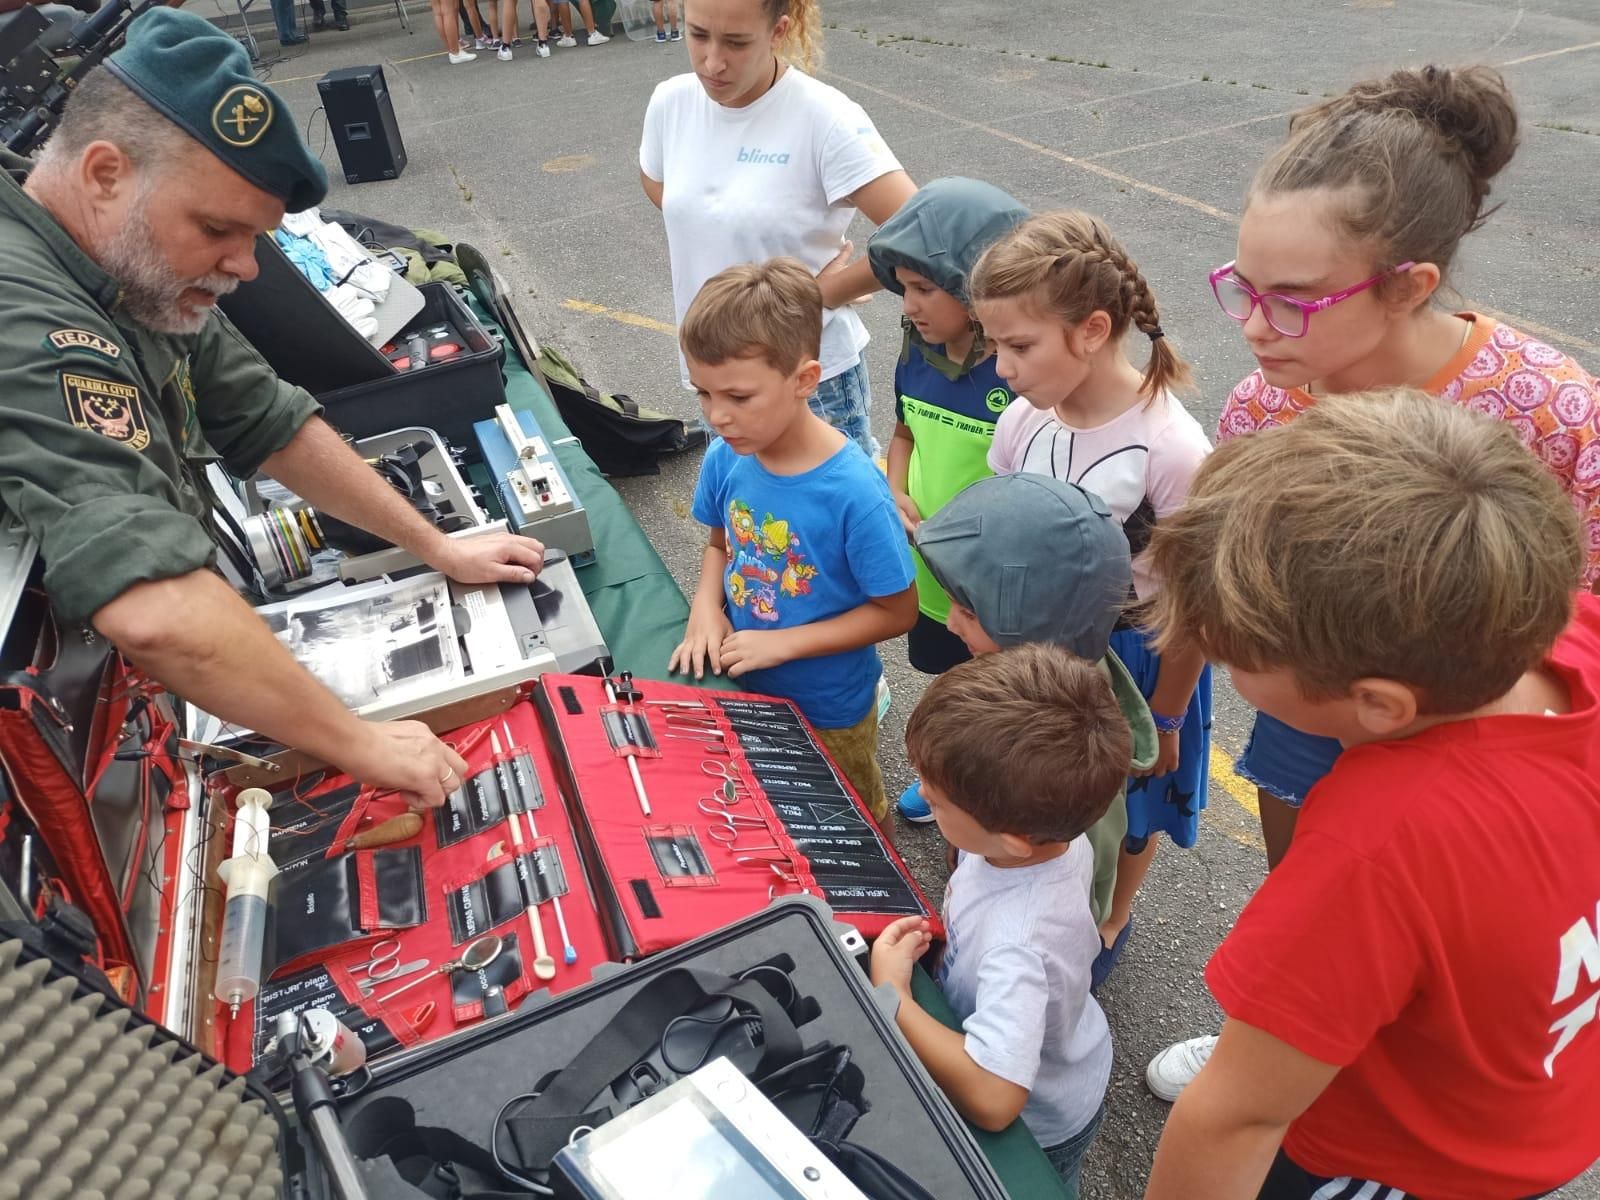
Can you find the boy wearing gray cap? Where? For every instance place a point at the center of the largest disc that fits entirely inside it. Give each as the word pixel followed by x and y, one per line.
pixel 1027 558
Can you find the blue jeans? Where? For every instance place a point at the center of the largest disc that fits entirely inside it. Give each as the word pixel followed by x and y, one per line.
pixel 1067 1158
pixel 283 18
pixel 845 402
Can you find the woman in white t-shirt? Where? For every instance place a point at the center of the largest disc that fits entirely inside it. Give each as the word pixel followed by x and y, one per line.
pixel 748 159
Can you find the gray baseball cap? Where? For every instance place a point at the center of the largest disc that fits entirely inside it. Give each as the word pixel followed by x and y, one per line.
pixel 1034 559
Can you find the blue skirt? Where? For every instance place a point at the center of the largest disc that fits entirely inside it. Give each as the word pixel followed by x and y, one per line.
pixel 1170 803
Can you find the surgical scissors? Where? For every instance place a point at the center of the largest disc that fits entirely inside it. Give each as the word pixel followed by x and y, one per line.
pixel 384 961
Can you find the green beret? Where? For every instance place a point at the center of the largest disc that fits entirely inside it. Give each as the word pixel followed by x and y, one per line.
pixel 200 78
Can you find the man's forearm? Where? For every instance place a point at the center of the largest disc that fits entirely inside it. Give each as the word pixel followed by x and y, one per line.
pixel 1210 1154
pixel 318 467
pixel 198 639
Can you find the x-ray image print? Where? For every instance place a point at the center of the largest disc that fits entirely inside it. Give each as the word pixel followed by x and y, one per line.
pixel 379 642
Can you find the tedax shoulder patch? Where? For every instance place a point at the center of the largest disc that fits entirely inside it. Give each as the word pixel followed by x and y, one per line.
pixel 67 341
pixel 107 407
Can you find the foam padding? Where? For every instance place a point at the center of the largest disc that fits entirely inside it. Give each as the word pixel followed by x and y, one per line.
pixel 94 1104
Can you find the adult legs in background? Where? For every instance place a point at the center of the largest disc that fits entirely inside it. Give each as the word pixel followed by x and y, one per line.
pixel 444 24
pixel 661 29
pixel 845 402
pixel 586 11
pixel 341 16
pixel 283 17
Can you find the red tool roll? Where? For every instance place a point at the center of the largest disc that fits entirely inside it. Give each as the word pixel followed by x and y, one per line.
pixel 376 915
pixel 745 805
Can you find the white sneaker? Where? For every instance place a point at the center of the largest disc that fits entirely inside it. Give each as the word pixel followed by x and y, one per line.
pixel 567 41
pixel 1175 1067
pixel 598 39
pixel 543 50
pixel 503 54
pixel 464 56
pixel 478 44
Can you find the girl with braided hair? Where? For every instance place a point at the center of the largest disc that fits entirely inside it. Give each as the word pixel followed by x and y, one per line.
pixel 1057 295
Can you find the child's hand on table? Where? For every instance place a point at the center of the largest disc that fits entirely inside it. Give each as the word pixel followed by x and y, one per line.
pixel 702 642
pixel 755 650
pixel 897 950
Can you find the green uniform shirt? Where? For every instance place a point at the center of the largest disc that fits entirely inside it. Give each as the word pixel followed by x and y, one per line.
pixel 106 425
pixel 951 410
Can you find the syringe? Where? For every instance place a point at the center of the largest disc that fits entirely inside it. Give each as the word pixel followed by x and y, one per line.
pixel 248 875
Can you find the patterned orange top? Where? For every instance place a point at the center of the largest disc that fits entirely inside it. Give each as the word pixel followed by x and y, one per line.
pixel 1552 403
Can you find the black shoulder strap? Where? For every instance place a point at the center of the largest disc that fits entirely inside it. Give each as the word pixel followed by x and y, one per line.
pixel 545 1126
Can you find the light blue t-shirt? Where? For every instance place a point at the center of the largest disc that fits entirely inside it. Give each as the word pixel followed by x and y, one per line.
pixel 801 549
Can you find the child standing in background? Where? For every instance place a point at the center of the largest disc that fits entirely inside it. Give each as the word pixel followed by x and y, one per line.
pixel 947 394
pixel 1057 295
pixel 806 568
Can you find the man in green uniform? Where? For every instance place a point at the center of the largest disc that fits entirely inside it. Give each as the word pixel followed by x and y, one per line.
pixel 119 381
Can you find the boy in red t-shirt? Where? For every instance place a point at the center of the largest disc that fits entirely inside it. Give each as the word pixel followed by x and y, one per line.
pixel 1412 995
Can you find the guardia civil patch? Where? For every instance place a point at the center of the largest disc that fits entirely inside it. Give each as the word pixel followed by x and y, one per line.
pixel 242 115
pixel 66 341
pixel 108 408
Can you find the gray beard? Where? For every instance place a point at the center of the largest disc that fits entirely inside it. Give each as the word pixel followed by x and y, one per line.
pixel 150 289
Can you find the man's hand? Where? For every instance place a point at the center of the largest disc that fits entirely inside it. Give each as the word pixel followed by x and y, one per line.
pixel 405 757
pixel 702 643
pixel 490 558
pixel 897 950
pixel 910 514
pixel 755 650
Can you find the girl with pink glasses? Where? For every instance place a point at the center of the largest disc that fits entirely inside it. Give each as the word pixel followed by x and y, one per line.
pixel 1349 229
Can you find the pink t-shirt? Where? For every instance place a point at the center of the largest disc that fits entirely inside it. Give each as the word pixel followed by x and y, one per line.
pixel 1552 403
pixel 1139 463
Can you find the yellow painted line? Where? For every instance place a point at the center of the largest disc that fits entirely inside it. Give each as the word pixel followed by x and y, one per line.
pixel 1069 159
pixel 1527 58
pixel 617 314
pixel 1240 790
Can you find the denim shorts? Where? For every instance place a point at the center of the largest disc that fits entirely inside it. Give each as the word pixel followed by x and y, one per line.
pixel 845 402
pixel 1283 761
pixel 1067 1158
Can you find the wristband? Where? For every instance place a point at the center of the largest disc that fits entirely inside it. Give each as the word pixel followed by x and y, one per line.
pixel 1167 724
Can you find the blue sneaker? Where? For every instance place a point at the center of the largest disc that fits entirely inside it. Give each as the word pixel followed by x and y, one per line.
pixel 913 807
pixel 661 36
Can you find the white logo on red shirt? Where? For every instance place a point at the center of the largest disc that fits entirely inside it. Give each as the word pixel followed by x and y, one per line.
pixel 1580 953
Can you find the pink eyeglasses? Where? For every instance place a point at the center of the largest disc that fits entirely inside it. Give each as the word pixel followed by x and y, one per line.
pixel 1287 315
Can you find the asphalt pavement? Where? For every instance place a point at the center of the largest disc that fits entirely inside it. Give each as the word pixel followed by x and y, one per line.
pixel 1149 113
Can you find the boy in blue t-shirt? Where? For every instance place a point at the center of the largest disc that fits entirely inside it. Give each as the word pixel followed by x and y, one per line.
pixel 806 568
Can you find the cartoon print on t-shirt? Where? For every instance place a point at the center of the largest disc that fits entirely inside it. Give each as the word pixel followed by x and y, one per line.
pixel 764 555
